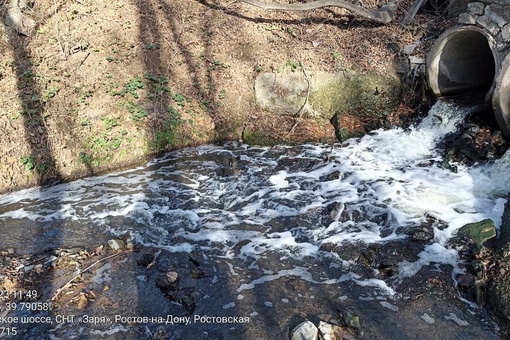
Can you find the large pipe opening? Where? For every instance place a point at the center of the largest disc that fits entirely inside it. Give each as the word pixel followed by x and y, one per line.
pixel 462 60
pixel 501 98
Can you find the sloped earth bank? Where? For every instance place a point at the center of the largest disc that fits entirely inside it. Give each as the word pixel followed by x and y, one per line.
pixel 243 242
pixel 102 85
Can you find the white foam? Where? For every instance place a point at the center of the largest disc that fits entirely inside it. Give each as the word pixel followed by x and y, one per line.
pixel 456 319
pixel 279 180
pixel 180 203
pixel 432 254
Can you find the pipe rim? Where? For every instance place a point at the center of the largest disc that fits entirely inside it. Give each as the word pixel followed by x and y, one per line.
pixel 433 57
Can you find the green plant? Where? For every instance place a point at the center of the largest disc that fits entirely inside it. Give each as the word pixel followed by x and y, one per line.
pixel 290 64
pixel 84 157
pixel 85 122
pixel 160 83
pixel 215 64
pixel 136 110
pixel 28 162
pixel 222 93
pixel 204 104
pixel 118 140
pixel 180 99
pixel 165 135
pixel 109 84
pixel 52 92
pixel 110 123
pixel 85 94
pixel 151 46
pixel 131 87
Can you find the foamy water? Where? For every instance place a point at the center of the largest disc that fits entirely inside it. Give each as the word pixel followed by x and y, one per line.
pixel 244 204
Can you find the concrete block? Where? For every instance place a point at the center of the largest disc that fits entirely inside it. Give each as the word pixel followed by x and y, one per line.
pixel 468 19
pixel 496 14
pixel 488 24
pixel 476 8
pixel 505 33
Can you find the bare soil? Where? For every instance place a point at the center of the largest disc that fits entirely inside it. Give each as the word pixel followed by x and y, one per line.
pixel 103 85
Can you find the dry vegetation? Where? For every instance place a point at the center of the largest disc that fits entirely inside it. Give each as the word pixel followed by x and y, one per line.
pixel 105 84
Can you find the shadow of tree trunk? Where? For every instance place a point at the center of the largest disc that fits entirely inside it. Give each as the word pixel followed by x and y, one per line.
pixel 33 100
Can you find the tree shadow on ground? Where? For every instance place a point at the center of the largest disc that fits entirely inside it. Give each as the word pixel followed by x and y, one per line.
pixel 158 59
pixel 39 160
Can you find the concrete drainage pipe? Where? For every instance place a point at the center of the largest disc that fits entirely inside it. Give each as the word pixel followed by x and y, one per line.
pixel 463 60
pixel 501 98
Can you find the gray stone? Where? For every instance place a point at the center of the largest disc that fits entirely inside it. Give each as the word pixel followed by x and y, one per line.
pixel 476 8
pixel 305 331
pixel 328 331
pixel 172 277
pixel 467 19
pixel 505 33
pixel 487 23
pixel 117 244
pixel 283 93
pixel 496 14
pixel 369 95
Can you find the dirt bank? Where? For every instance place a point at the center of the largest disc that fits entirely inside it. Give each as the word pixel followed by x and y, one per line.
pixel 103 85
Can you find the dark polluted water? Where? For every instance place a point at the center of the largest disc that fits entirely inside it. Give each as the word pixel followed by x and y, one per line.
pixel 245 242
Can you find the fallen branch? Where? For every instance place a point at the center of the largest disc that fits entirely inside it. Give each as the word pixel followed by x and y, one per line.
pixel 300 112
pixel 80 272
pixel 383 15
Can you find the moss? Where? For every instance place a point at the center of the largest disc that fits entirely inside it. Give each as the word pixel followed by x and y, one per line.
pixel 479 232
pixel 366 96
pixel 260 138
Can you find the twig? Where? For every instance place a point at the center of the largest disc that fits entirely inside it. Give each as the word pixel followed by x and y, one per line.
pixel 300 112
pixel 79 274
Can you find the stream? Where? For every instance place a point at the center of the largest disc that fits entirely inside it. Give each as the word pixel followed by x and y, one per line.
pixel 253 240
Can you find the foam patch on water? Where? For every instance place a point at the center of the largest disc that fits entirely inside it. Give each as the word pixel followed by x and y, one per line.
pixel 249 204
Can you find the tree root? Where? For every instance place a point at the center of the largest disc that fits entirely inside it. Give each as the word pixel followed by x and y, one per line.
pixel 384 15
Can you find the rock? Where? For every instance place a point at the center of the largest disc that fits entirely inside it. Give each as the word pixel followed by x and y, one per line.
pixel 497 14
pixel 195 258
pixel 188 302
pixel 117 244
pixel 346 127
pixel 466 280
pixel 488 24
pixel 505 32
pixel 476 8
pixel 283 93
pixel 350 319
pixel 368 95
pixel 331 213
pixel 172 277
pixel 423 233
pixel 168 281
pixel 477 233
pixel 328 331
pixel 146 259
pixel 305 331
pixel 130 245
